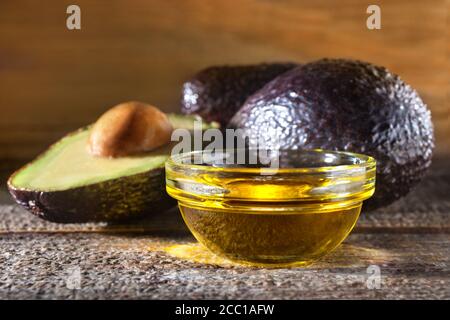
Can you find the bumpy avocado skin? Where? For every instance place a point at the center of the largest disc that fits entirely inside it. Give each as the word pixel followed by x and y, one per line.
pixel 113 200
pixel 338 104
pixel 216 93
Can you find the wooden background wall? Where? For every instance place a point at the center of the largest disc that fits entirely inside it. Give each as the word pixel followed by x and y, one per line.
pixel 53 80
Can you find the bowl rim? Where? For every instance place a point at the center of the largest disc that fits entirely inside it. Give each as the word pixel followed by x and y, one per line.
pixel 346 182
pixel 366 162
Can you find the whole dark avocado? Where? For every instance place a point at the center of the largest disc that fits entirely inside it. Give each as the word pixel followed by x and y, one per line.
pixel 338 104
pixel 216 93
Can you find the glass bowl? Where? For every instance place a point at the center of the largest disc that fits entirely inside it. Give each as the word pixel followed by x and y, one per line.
pixel 289 212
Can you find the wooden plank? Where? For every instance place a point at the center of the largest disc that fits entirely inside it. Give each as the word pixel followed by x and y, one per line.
pixel 409 241
pixel 52 76
pixel 14 219
pixel 121 267
pixel 425 209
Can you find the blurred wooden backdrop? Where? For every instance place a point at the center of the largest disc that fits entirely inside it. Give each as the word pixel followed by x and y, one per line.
pixel 53 80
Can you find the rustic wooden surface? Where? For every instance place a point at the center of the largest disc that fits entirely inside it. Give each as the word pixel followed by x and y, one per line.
pixel 118 266
pixel 409 241
pixel 53 80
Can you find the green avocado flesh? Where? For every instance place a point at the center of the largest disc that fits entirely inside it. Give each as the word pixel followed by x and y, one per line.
pixel 68 164
pixel 66 184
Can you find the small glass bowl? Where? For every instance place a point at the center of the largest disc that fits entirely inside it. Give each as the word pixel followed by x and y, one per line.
pixel 287 214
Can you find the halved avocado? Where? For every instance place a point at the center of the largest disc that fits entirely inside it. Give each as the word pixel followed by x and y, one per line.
pixel 67 184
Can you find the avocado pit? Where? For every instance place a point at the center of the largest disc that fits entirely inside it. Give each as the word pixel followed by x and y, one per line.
pixel 129 128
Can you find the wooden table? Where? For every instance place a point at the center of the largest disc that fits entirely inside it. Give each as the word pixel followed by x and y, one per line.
pixel 53 80
pixel 408 242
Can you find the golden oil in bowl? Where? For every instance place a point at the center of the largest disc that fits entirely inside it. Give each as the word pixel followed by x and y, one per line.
pixel 289 215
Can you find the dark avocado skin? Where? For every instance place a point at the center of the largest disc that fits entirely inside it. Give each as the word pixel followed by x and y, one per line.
pixel 112 200
pixel 216 93
pixel 338 104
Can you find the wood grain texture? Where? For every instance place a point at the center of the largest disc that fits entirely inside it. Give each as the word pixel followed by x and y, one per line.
pixel 409 241
pixel 36 266
pixel 53 80
pixel 425 210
